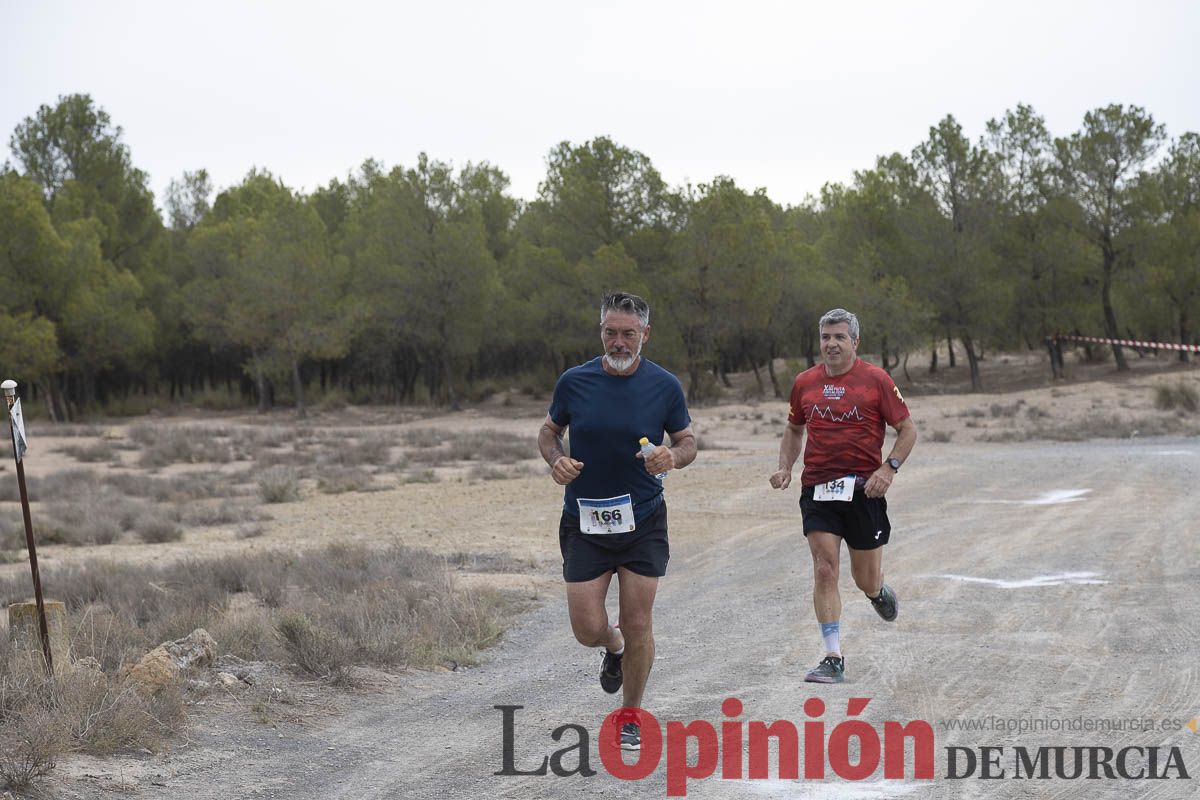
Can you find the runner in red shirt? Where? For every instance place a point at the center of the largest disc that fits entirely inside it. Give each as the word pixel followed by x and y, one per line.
pixel 844 403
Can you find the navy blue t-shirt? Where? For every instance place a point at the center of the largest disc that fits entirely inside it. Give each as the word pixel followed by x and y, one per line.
pixel 607 415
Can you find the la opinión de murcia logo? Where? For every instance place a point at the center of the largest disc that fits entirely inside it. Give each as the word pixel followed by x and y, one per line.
pixel 734 749
pixel 724 750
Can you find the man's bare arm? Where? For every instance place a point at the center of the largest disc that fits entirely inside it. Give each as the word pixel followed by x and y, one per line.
pixel 789 450
pixel 563 468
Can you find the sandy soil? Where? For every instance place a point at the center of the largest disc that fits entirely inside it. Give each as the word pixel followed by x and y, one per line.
pixel 1038 579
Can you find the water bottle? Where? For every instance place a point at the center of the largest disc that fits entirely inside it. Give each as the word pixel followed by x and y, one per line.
pixel 647 449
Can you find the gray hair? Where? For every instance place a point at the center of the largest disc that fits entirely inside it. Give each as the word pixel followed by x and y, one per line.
pixel 840 315
pixel 626 304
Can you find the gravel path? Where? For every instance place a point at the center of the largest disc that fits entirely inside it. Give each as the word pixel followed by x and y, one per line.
pixel 1037 581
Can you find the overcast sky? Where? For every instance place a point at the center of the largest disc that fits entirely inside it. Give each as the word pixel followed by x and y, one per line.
pixel 782 95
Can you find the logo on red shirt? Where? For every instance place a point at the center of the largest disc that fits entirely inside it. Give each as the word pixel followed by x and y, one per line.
pixel 828 414
pixel 834 392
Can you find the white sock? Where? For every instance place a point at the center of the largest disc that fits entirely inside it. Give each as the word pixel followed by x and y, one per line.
pixel 620 652
pixel 831 634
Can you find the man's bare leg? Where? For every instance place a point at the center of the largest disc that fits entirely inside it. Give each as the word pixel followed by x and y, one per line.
pixel 637 626
pixel 589 617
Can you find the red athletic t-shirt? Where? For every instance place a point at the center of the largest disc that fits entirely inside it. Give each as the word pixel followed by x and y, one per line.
pixel 845 416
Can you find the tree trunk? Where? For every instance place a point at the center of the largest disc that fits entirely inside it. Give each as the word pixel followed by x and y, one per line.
pixel 1110 316
pixel 1183 335
pixel 450 395
pixel 260 383
pixel 950 347
pixel 973 362
pixel 694 373
pixel 771 372
pixel 933 358
pixel 907 377
pixel 758 377
pixel 48 397
pixel 298 388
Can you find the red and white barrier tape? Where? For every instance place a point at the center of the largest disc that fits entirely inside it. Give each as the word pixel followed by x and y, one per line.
pixel 1190 348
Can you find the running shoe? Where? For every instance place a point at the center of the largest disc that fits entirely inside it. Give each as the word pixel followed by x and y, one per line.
pixel 631 736
pixel 610 672
pixel 886 605
pixel 832 669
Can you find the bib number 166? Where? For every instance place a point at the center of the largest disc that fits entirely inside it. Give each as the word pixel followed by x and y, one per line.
pixel 612 517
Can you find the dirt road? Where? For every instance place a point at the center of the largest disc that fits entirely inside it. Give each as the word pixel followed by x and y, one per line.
pixel 1038 581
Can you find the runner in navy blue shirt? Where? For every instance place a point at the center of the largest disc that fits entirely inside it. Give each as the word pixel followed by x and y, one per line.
pixel 614 518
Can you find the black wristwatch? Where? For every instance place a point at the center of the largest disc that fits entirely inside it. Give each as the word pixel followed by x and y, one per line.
pixel 894 463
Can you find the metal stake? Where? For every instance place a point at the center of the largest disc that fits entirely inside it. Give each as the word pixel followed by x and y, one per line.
pixel 10 396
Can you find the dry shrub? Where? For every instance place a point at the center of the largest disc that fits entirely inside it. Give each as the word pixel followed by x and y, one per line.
pixel 248 632
pixel 339 481
pixel 486 472
pixel 1181 395
pixel 208 514
pixel 79 710
pixel 377 451
pixel 102 714
pixel 268 437
pixel 12 532
pixel 92 453
pixel 942 436
pixel 156 528
pixel 278 485
pixel 420 476
pixel 496 447
pixel 176 489
pixel 1113 427
pixel 97 516
pixel 1001 410
pixel 315 650
pixel 30 745
pixel 423 437
pixel 169 444
pixel 251 530
pixel 65 430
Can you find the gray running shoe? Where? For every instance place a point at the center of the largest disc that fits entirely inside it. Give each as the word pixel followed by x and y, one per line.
pixel 887 605
pixel 832 669
pixel 610 672
pixel 631 736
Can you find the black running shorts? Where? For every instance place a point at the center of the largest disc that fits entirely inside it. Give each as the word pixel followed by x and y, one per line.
pixel 862 522
pixel 587 556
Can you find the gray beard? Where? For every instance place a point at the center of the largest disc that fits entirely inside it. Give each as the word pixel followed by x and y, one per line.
pixel 621 363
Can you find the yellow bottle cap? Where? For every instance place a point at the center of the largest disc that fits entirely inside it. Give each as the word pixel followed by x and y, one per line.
pixel 643 441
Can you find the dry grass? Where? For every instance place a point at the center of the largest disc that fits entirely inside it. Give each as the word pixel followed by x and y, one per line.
pixel 1182 396
pixel 390 607
pixel 1098 426
pixel 80 710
